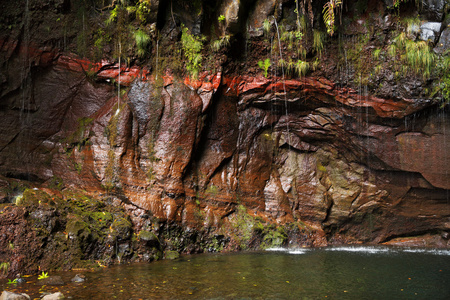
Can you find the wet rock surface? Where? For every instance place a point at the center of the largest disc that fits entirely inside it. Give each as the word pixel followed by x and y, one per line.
pixel 13 296
pixel 107 162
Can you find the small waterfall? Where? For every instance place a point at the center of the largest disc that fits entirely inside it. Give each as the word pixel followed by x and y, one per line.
pixel 157 57
pixel 26 93
pixel 118 83
pixel 284 85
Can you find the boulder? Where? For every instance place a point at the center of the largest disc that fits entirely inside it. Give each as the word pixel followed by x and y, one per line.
pixel 443 44
pixel 13 296
pixel 79 278
pixel 263 10
pixel 432 10
pixel 171 255
pixel 54 296
pixel 430 31
pixel 51 280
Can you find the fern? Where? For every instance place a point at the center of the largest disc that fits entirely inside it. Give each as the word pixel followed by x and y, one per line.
pixel 216 45
pixel 264 65
pixel 329 14
pixel 142 41
pixel 192 47
pixel 318 39
pixel 301 67
pixel 267 26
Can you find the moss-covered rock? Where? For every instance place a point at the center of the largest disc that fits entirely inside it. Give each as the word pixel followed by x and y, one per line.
pixel 170 254
pixel 33 197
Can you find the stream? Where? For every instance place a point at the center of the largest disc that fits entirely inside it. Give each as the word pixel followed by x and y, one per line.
pixel 352 272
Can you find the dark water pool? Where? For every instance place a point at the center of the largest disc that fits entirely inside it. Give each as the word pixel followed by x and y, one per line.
pixel 326 273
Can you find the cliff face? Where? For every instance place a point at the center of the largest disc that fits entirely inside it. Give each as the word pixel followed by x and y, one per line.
pixel 349 154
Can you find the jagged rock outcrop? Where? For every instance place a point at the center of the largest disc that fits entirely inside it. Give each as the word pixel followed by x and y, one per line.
pixel 350 162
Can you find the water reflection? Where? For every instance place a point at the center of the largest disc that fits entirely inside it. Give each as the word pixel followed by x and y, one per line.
pixel 332 273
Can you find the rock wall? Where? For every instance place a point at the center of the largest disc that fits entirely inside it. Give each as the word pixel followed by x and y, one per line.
pixel 348 161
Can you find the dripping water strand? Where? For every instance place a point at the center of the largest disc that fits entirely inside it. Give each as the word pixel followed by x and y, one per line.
pixel 284 86
pixel 273 88
pixel 118 84
pixel 25 87
pixel 157 50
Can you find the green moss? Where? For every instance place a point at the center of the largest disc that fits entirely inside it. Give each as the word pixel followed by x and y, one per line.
pixel 77 228
pixel 243 224
pixel 148 236
pixel 121 228
pixel 56 183
pixel 171 255
pixel 273 236
pixel 442 86
pixel 254 232
pixel 33 197
pixel 215 245
pixel 212 190
pixel 81 135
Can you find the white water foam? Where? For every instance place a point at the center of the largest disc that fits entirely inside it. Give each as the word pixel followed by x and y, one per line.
pixel 363 250
pixel 279 249
pixel 290 251
pixel 360 249
pixel 428 251
pixel 298 251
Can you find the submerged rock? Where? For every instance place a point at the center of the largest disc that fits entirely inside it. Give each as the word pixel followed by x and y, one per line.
pixel 51 280
pixel 13 296
pixel 54 296
pixel 171 255
pixel 79 278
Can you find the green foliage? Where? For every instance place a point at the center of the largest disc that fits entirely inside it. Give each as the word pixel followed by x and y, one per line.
pixel 12 281
pixel 218 44
pixel 243 223
pixel 192 47
pixel 142 10
pixel 221 18
pixel 267 26
pixel 376 54
pixel 142 40
pixel 112 16
pixel 318 40
pixel 80 137
pixel 288 37
pixel 43 275
pixel 442 88
pixel 102 38
pixel 396 3
pixel 298 67
pixel 4 267
pixel 248 228
pixel 264 65
pixel 411 24
pixel 301 67
pixel 273 236
pixel 418 56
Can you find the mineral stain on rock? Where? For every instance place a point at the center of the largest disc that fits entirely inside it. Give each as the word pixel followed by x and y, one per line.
pixel 110 151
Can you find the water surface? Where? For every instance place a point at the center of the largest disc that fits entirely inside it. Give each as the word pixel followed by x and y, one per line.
pixel 326 273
